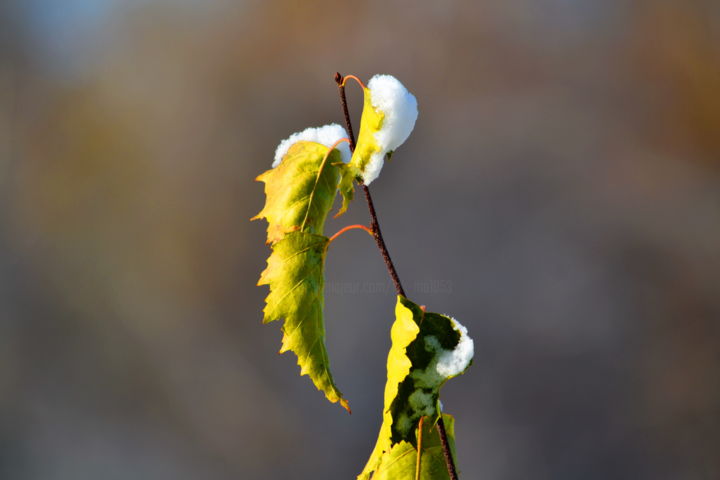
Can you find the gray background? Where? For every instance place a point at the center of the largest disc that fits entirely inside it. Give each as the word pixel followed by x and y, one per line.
pixel 560 196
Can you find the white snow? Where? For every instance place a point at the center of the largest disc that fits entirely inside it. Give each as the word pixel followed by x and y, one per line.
pixel 454 362
pixel 326 135
pixel 446 363
pixel 399 106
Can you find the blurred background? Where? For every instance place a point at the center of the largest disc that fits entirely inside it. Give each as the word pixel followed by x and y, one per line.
pixel 560 196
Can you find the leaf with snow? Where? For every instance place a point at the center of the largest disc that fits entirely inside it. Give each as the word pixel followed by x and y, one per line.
pixel 427 350
pixel 326 135
pixel 300 191
pixel 388 118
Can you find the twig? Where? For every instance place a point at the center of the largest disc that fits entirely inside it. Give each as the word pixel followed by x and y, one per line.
pixel 341 88
pixel 449 461
pixel 375 227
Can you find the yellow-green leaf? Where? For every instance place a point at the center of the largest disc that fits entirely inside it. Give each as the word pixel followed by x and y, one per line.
pixel 300 190
pixel 295 276
pixel 300 193
pixel 427 349
pixel 401 462
pixel 388 117
pixel 367 146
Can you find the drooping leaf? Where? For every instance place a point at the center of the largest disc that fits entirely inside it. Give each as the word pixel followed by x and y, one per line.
pixel 427 349
pixel 300 190
pixel 300 193
pixel 295 276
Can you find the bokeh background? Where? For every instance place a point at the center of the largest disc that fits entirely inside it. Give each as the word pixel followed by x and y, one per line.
pixel 560 196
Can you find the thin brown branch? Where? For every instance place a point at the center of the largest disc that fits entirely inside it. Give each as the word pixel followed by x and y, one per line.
pixel 449 460
pixel 375 227
pixel 348 125
pixel 374 224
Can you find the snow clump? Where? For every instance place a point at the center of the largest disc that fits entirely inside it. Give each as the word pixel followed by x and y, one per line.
pixel 454 362
pixel 399 107
pixel 326 135
pixel 445 363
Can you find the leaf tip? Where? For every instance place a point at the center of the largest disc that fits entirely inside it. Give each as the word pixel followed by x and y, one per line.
pixel 342 210
pixel 261 177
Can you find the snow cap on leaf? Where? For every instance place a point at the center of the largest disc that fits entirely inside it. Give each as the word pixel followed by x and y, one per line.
pixel 388 118
pixel 398 105
pixel 326 135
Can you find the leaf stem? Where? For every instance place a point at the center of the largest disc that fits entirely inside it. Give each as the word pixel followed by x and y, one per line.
pixel 418 463
pixel 350 227
pixel 362 85
pixel 375 227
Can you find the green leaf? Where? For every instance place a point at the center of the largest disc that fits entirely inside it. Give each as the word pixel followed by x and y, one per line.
pixel 401 461
pixel 300 190
pixel 347 186
pixel 300 193
pixel 295 276
pixel 420 342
